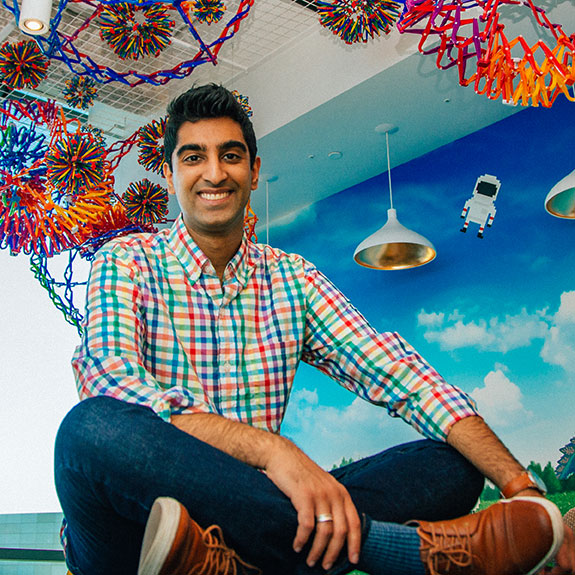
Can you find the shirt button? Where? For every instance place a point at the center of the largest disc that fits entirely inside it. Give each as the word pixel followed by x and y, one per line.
pixel 227 367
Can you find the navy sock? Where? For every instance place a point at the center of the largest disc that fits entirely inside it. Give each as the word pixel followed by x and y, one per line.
pixel 391 549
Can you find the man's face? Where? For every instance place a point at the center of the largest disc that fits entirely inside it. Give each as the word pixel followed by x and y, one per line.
pixel 211 176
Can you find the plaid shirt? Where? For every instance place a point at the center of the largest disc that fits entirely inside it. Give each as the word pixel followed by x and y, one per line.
pixel 163 331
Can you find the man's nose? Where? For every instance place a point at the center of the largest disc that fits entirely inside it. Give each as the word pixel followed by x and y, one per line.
pixel 215 171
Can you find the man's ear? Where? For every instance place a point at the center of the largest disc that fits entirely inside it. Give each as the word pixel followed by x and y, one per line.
pixel 169 178
pixel 256 172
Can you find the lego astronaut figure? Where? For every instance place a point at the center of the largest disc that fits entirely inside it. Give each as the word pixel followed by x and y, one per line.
pixel 480 208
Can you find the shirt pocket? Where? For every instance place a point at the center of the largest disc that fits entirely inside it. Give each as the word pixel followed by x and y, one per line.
pixel 268 372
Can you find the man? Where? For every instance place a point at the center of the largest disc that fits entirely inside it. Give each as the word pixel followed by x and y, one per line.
pixel 173 463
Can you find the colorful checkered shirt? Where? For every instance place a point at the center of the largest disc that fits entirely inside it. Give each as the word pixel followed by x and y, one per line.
pixel 163 331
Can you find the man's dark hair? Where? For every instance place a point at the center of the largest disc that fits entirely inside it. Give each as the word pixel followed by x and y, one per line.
pixel 199 103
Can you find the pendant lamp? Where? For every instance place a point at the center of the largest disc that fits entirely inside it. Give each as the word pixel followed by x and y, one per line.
pixel 393 247
pixel 560 201
pixel 35 16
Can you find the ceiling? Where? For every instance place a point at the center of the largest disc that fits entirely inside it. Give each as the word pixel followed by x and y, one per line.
pixel 316 101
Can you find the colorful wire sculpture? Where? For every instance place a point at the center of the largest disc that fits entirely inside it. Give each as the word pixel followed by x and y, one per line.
pixel 250 221
pixel 150 145
pixel 22 65
pixel 21 146
pixel 80 92
pixel 566 465
pixel 457 33
pixel 205 11
pixel 244 102
pixel 48 198
pixel 60 292
pixel 111 223
pixel 62 46
pixel 145 202
pixel 96 133
pixel 136 31
pixel 75 164
pixel 358 20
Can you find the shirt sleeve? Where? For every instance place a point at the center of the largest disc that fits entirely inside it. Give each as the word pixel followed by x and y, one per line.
pixel 382 368
pixel 110 359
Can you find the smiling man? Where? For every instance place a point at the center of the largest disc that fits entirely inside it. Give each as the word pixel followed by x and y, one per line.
pixel 173 462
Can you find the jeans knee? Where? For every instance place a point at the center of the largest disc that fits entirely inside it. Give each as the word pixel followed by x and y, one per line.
pixel 83 426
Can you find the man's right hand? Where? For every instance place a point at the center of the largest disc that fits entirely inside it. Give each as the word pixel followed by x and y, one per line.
pixel 311 490
pixel 315 492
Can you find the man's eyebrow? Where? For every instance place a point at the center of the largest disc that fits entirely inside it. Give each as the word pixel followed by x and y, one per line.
pixel 232 144
pixel 190 148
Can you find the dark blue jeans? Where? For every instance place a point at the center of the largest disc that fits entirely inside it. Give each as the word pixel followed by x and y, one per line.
pixel 112 459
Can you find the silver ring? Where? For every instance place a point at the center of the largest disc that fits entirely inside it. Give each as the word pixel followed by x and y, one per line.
pixel 324 518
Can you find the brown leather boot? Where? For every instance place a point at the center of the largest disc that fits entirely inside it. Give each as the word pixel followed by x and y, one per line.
pixel 174 544
pixel 511 537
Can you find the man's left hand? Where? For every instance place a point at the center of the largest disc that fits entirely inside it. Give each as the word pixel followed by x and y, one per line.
pixel 565 559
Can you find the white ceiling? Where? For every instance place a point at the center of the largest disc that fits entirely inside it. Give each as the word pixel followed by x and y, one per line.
pixel 311 94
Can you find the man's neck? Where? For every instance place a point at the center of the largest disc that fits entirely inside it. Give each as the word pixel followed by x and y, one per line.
pixel 219 249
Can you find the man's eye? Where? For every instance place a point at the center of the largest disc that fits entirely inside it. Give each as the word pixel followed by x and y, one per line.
pixel 231 157
pixel 191 158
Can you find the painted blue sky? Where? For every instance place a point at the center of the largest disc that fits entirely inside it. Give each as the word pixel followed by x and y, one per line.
pixel 496 316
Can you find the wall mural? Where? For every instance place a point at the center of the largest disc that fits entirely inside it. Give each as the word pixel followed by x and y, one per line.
pixel 495 315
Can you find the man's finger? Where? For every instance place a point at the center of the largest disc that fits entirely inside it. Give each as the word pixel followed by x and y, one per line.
pixel 305 527
pixel 353 532
pixel 322 537
pixel 338 538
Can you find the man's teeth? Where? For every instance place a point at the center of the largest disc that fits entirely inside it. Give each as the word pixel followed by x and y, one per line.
pixel 214 196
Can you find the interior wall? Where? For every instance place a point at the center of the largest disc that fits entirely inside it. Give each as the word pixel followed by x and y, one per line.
pixel 496 316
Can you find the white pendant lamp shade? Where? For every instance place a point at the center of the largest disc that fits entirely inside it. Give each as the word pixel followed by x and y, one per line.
pixel 394 247
pixel 560 201
pixel 35 16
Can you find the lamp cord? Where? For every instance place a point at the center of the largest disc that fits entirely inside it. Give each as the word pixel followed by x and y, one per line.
pixel 267 212
pixel 389 170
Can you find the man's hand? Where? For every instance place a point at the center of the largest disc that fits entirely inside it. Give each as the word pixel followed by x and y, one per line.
pixel 565 559
pixel 313 492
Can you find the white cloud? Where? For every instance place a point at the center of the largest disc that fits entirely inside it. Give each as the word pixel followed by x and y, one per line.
pixel 492 334
pixel 459 335
pixel 430 319
pixel 499 400
pixel 559 346
pixel 328 433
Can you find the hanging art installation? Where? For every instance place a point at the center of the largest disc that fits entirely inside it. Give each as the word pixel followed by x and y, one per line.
pixel 22 65
pixel 135 29
pixel 358 20
pixel 80 92
pixel 244 103
pixel 205 11
pixel 151 145
pixel 463 32
pixel 56 191
pixel 145 202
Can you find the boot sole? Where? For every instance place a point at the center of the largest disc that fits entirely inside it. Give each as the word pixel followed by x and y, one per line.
pixel 556 523
pixel 159 535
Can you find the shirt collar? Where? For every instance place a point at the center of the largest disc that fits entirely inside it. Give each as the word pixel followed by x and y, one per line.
pixel 196 263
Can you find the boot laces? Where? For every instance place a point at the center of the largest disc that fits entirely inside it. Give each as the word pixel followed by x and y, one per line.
pixel 220 559
pixel 442 550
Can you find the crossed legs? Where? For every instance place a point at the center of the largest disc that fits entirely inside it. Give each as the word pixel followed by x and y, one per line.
pixel 113 459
